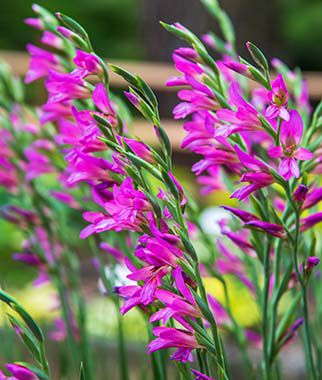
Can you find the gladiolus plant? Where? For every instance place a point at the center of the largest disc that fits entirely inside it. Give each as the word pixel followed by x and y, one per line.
pixel 75 158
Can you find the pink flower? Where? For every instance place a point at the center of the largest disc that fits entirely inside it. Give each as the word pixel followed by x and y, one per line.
pixel 20 372
pixel 66 198
pixel 258 175
pixel 140 149
pixel 290 136
pixel 38 163
pixel 239 68
pixel 229 263
pixel 279 98
pixel 52 40
pixel 62 87
pixel 88 63
pixel 240 239
pixel 168 337
pixel 244 119
pixel 125 211
pixel 41 62
pixel 35 23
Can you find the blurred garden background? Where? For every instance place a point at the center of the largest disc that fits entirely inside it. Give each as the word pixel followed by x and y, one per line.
pixel 130 30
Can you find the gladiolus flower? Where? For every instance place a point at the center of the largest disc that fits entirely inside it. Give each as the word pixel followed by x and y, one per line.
pixel 290 136
pixel 300 193
pixel 20 372
pixel 201 376
pixel 279 98
pixel 270 228
pixel 258 175
pixel 169 337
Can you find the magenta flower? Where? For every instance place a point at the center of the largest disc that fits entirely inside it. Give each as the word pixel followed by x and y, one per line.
pixel 102 100
pixel 41 63
pixel 278 97
pixel 270 228
pixel 200 376
pixel 140 149
pixel 169 337
pixel 300 193
pixel 19 372
pixel 313 197
pixel 176 306
pixel 62 87
pixel 66 198
pixel 290 136
pixel 241 214
pixel 228 263
pixel 239 68
pixel 88 168
pixel 221 316
pixel 88 63
pixel 242 120
pixel 157 251
pixel 310 221
pixel 240 240
pixel 38 163
pixel 125 211
pixel 258 175
pixel 52 40
pixel 291 333
pixel 34 22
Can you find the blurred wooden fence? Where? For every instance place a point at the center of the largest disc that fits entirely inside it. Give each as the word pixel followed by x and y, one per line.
pixel 155 74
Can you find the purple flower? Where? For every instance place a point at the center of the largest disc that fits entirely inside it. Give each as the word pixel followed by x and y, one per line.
pixel 312 262
pixel 291 333
pixel 300 193
pixel 290 136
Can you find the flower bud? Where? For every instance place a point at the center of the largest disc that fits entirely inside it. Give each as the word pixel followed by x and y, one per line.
pixel 300 193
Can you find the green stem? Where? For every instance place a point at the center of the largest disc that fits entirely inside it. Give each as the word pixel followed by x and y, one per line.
pixel 124 371
pixel 265 298
pixel 307 338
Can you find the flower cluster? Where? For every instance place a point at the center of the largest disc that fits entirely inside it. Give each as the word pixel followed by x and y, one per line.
pixel 260 144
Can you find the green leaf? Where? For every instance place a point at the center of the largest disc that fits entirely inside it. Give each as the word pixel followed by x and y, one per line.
pixel 72 25
pixel 130 78
pixel 32 325
pixel 258 56
pixel 26 337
